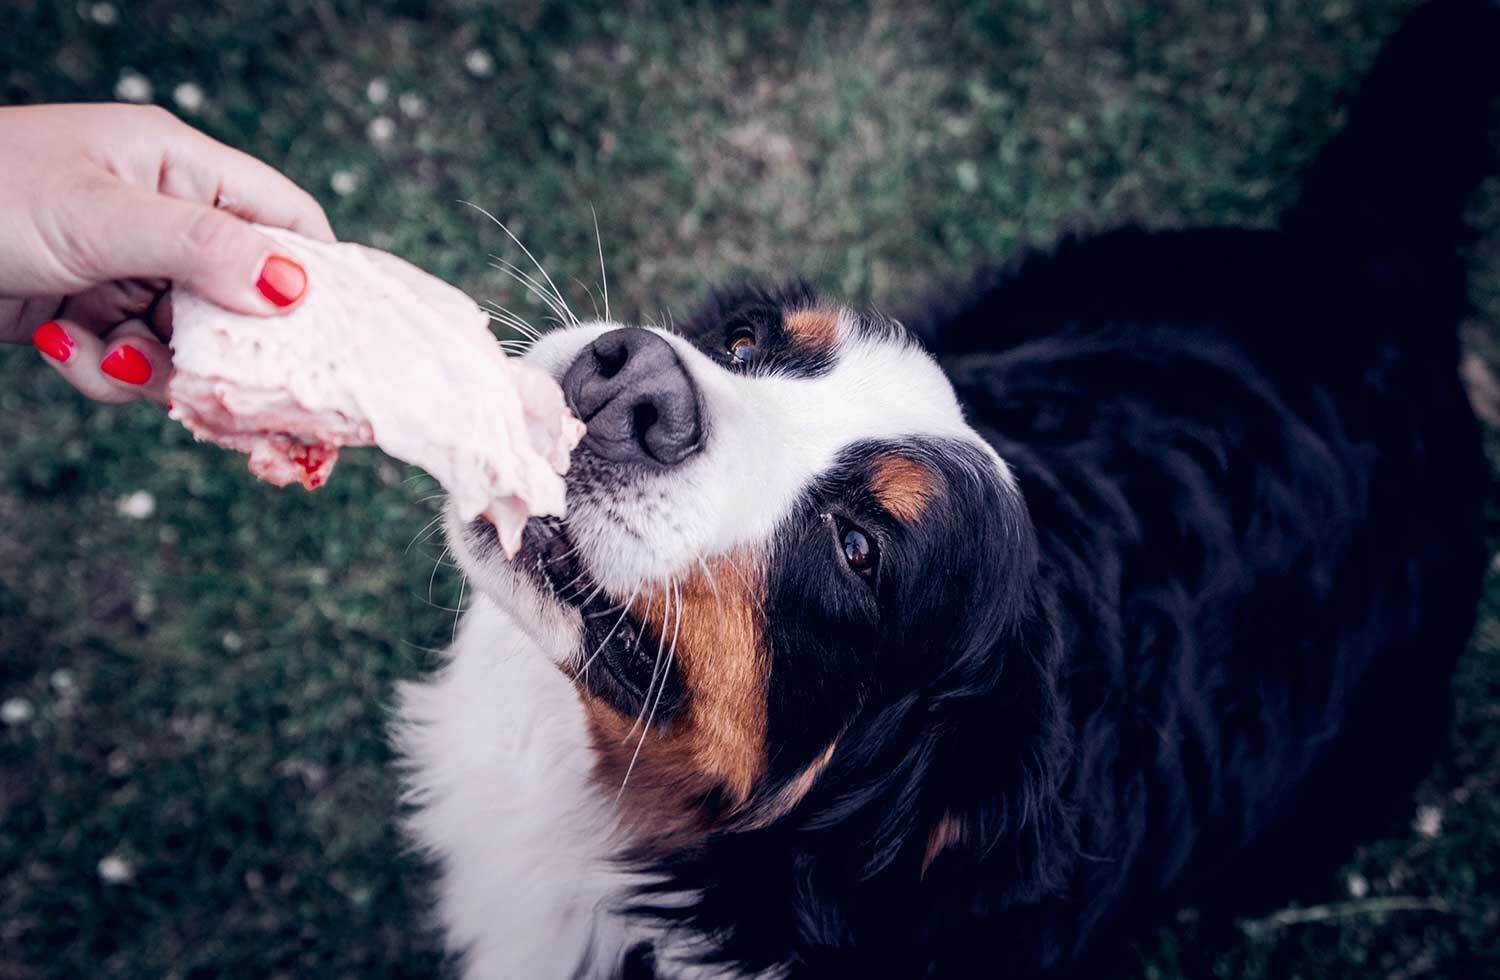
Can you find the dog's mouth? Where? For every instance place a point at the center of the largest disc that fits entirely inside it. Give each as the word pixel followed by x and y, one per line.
pixel 550 556
pixel 547 556
pixel 615 661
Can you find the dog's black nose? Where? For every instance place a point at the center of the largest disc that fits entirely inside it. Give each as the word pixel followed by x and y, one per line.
pixel 636 398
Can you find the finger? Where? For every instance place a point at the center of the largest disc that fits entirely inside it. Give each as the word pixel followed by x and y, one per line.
pixel 197 167
pixel 138 234
pixel 108 304
pixel 75 353
pixel 136 363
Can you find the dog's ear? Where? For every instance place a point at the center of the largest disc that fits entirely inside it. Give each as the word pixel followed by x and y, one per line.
pixel 995 796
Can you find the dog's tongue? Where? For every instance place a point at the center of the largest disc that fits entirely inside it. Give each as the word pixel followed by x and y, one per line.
pixel 377 353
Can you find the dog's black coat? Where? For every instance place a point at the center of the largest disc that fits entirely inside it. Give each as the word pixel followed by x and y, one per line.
pixel 1253 553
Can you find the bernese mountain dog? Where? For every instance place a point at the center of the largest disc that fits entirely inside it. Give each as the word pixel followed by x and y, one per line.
pixel 967 643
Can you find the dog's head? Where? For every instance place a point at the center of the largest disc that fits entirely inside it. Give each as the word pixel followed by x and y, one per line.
pixel 788 560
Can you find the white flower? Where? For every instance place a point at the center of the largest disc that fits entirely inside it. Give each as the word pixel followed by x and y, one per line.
pixel 1357 885
pixel 139 505
pixel 143 604
pixel 479 63
pixel 115 870
pixel 118 763
pixel 63 682
pixel 377 91
pixel 188 96
pixel 343 182
pixel 232 641
pixel 133 87
pixel 967 173
pixel 1429 822
pixel 16 711
pixel 103 14
pixel 381 129
pixel 413 106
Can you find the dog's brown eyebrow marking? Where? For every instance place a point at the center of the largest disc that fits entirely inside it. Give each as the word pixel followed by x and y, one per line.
pixel 902 486
pixel 815 329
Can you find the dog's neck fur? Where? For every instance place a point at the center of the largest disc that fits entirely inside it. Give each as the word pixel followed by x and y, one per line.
pixel 499 772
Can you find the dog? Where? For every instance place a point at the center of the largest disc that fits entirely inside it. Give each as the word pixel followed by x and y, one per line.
pixel 969 643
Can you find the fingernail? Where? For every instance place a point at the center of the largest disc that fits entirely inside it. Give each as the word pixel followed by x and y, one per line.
pixel 128 365
pixel 282 281
pixel 53 341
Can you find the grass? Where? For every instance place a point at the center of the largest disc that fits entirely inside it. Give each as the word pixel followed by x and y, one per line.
pixel 193 776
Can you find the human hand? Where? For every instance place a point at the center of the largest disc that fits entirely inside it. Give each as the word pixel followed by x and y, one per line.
pixel 104 207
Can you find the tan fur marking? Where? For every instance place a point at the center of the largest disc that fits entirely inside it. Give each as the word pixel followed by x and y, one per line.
pixel 903 487
pixel 947 832
pixel 786 799
pixel 817 329
pixel 717 744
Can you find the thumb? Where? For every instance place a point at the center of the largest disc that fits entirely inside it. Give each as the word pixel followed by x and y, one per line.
pixel 138 234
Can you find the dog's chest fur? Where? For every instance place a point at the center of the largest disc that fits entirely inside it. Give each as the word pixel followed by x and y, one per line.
pixel 499 775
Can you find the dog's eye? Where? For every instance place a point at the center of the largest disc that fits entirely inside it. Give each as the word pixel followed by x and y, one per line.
pixel 741 345
pixel 859 551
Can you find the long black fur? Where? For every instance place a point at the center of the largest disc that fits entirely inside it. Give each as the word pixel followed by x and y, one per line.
pixel 1249 555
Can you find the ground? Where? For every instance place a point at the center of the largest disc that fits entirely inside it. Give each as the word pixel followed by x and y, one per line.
pixel 195 670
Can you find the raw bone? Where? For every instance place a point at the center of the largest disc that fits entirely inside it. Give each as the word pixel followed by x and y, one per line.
pixel 377 353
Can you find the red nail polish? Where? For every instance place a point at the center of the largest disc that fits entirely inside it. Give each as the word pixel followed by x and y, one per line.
pixel 53 341
pixel 128 365
pixel 281 281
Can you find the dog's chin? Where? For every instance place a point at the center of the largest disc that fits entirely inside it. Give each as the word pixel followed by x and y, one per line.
pixel 534 587
pixel 552 598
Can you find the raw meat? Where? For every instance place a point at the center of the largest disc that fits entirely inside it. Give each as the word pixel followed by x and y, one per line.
pixel 378 353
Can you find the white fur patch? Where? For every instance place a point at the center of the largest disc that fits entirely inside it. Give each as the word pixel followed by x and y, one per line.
pixel 498 773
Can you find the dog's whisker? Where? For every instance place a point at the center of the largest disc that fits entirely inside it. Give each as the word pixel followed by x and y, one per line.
pixel 708 576
pixel 625 611
pixel 509 342
pixel 514 323
pixel 511 319
pixel 531 287
pixel 593 300
pixel 603 276
pixel 661 641
pixel 463 583
pixel 426 528
pixel 549 296
pixel 603 612
pixel 432 579
pixel 530 284
pixel 555 291
pixel 651 717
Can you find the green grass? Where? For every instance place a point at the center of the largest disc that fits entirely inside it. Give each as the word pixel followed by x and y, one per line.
pixel 209 683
